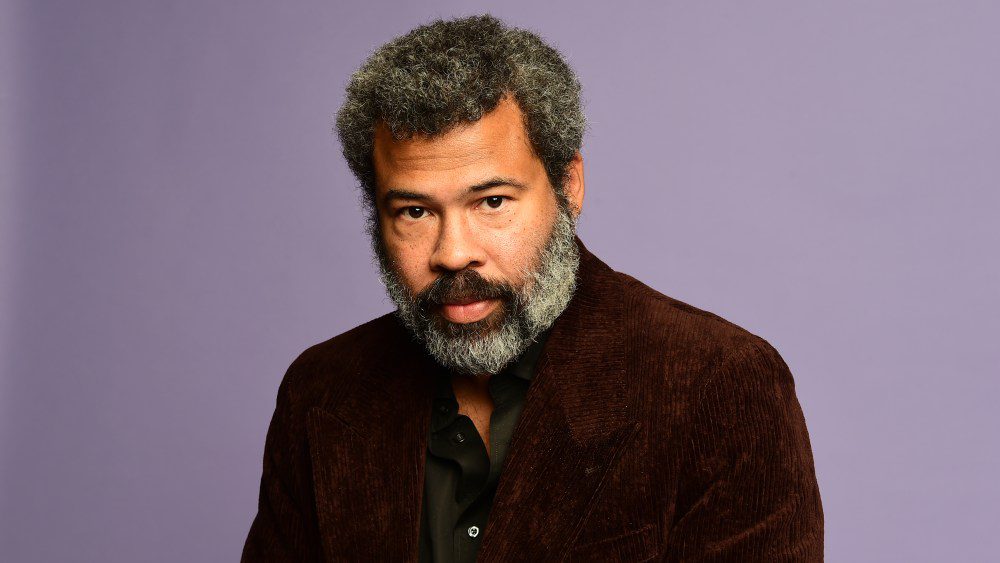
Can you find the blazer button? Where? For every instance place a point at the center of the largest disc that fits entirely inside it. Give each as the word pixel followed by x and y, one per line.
pixel 458 438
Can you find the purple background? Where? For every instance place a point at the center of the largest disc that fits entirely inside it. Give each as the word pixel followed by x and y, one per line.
pixel 177 225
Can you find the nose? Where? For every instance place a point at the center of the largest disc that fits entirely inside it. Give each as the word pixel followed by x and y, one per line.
pixel 457 247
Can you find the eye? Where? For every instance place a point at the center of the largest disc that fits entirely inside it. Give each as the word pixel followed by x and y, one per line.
pixel 494 201
pixel 413 212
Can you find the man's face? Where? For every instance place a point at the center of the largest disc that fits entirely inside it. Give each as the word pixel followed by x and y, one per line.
pixel 475 248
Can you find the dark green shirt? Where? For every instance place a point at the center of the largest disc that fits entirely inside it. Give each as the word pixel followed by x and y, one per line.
pixel 460 478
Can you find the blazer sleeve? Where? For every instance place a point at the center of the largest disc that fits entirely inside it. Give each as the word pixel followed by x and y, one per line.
pixel 748 490
pixel 284 528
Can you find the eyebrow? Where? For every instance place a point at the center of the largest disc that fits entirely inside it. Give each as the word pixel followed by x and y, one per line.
pixel 398 193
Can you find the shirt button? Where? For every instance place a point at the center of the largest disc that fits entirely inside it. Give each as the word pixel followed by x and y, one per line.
pixel 473 531
pixel 443 409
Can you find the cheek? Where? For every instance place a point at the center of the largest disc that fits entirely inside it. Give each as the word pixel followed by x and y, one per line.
pixel 411 262
pixel 516 247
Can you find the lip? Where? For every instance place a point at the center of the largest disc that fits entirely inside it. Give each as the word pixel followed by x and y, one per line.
pixel 468 310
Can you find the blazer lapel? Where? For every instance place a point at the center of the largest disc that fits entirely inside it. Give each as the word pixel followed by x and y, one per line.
pixel 367 452
pixel 575 423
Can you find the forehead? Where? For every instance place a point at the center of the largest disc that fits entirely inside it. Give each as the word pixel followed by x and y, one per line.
pixel 495 144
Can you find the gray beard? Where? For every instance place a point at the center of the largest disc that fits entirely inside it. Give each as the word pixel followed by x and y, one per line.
pixel 546 288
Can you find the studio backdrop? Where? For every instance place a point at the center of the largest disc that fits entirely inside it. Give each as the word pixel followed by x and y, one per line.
pixel 177 224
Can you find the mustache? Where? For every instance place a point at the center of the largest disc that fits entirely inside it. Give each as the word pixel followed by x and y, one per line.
pixel 464 285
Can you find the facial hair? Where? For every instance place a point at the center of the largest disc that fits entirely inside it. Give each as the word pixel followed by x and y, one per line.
pixel 526 310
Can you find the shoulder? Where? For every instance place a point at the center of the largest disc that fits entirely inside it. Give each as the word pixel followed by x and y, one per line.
pixel 319 370
pixel 354 342
pixel 655 317
pixel 711 370
pixel 688 341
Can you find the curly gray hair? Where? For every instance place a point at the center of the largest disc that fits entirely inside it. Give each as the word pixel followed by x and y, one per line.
pixel 454 71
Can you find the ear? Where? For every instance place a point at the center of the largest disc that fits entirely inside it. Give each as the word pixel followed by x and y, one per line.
pixel 574 186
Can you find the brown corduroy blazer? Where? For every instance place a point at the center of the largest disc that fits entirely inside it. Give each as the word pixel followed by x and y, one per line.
pixel 652 430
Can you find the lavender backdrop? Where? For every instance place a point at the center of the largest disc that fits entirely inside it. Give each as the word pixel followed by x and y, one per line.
pixel 176 225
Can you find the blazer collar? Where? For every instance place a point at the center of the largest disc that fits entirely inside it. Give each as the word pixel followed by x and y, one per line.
pixel 368 446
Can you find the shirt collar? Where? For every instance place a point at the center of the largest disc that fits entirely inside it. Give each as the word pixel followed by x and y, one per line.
pixel 524 366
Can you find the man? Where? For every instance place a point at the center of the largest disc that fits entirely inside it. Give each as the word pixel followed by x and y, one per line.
pixel 525 402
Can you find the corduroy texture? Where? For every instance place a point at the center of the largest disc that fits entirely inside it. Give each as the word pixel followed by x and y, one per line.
pixel 652 430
